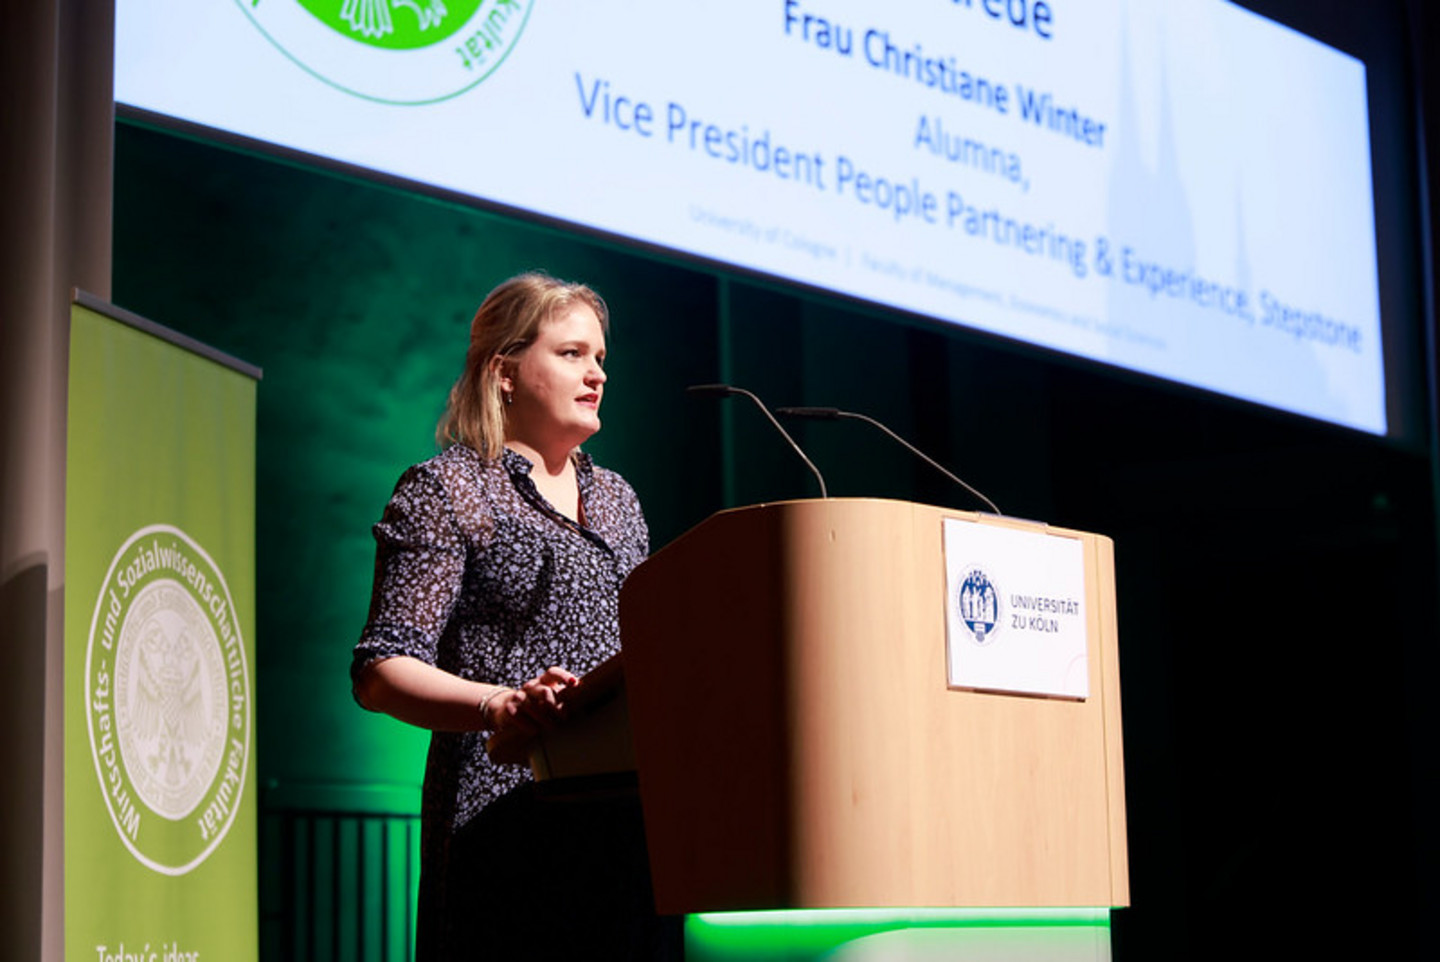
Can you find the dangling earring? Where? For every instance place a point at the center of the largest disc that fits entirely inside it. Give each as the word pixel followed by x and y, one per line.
pixel 509 397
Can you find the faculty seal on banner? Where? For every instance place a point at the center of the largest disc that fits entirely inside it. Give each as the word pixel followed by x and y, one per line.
pixel 393 51
pixel 167 699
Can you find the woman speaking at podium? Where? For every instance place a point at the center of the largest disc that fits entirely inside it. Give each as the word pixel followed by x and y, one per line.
pixel 497 579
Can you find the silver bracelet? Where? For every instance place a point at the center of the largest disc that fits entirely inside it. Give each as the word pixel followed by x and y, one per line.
pixel 485 702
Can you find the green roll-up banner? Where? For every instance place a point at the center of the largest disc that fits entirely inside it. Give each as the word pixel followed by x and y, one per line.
pixel 160 808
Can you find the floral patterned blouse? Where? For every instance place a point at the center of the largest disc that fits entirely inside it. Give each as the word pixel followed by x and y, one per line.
pixel 476 573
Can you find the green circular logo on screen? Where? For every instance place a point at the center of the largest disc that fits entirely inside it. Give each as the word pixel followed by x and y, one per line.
pixel 394 51
pixel 167 700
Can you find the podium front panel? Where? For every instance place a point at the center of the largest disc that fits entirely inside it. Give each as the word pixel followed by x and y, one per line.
pixel 798 746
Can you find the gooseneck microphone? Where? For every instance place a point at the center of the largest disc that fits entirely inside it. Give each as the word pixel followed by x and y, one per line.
pixel 835 414
pixel 726 390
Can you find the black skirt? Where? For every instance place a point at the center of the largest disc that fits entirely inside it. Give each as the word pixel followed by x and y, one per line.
pixel 556 870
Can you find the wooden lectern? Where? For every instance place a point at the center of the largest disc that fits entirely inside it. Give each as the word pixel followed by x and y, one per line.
pixel 798 746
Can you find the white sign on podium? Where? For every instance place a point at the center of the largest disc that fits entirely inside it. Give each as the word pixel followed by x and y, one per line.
pixel 1015 611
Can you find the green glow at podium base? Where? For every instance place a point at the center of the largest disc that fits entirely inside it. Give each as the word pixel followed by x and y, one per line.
pixel 901 935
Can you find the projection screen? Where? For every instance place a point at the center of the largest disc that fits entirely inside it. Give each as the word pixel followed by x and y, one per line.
pixel 1182 188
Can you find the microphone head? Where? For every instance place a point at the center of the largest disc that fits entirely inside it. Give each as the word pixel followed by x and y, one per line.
pixel 711 390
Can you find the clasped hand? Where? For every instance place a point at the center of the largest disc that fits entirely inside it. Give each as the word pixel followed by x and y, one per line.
pixel 533 707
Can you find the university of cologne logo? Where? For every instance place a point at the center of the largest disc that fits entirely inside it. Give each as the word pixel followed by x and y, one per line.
pixel 167 700
pixel 394 51
pixel 977 602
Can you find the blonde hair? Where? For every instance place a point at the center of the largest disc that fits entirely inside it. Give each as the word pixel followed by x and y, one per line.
pixel 506 324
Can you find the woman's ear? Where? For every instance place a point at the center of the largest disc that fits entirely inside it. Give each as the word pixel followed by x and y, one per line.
pixel 504 370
